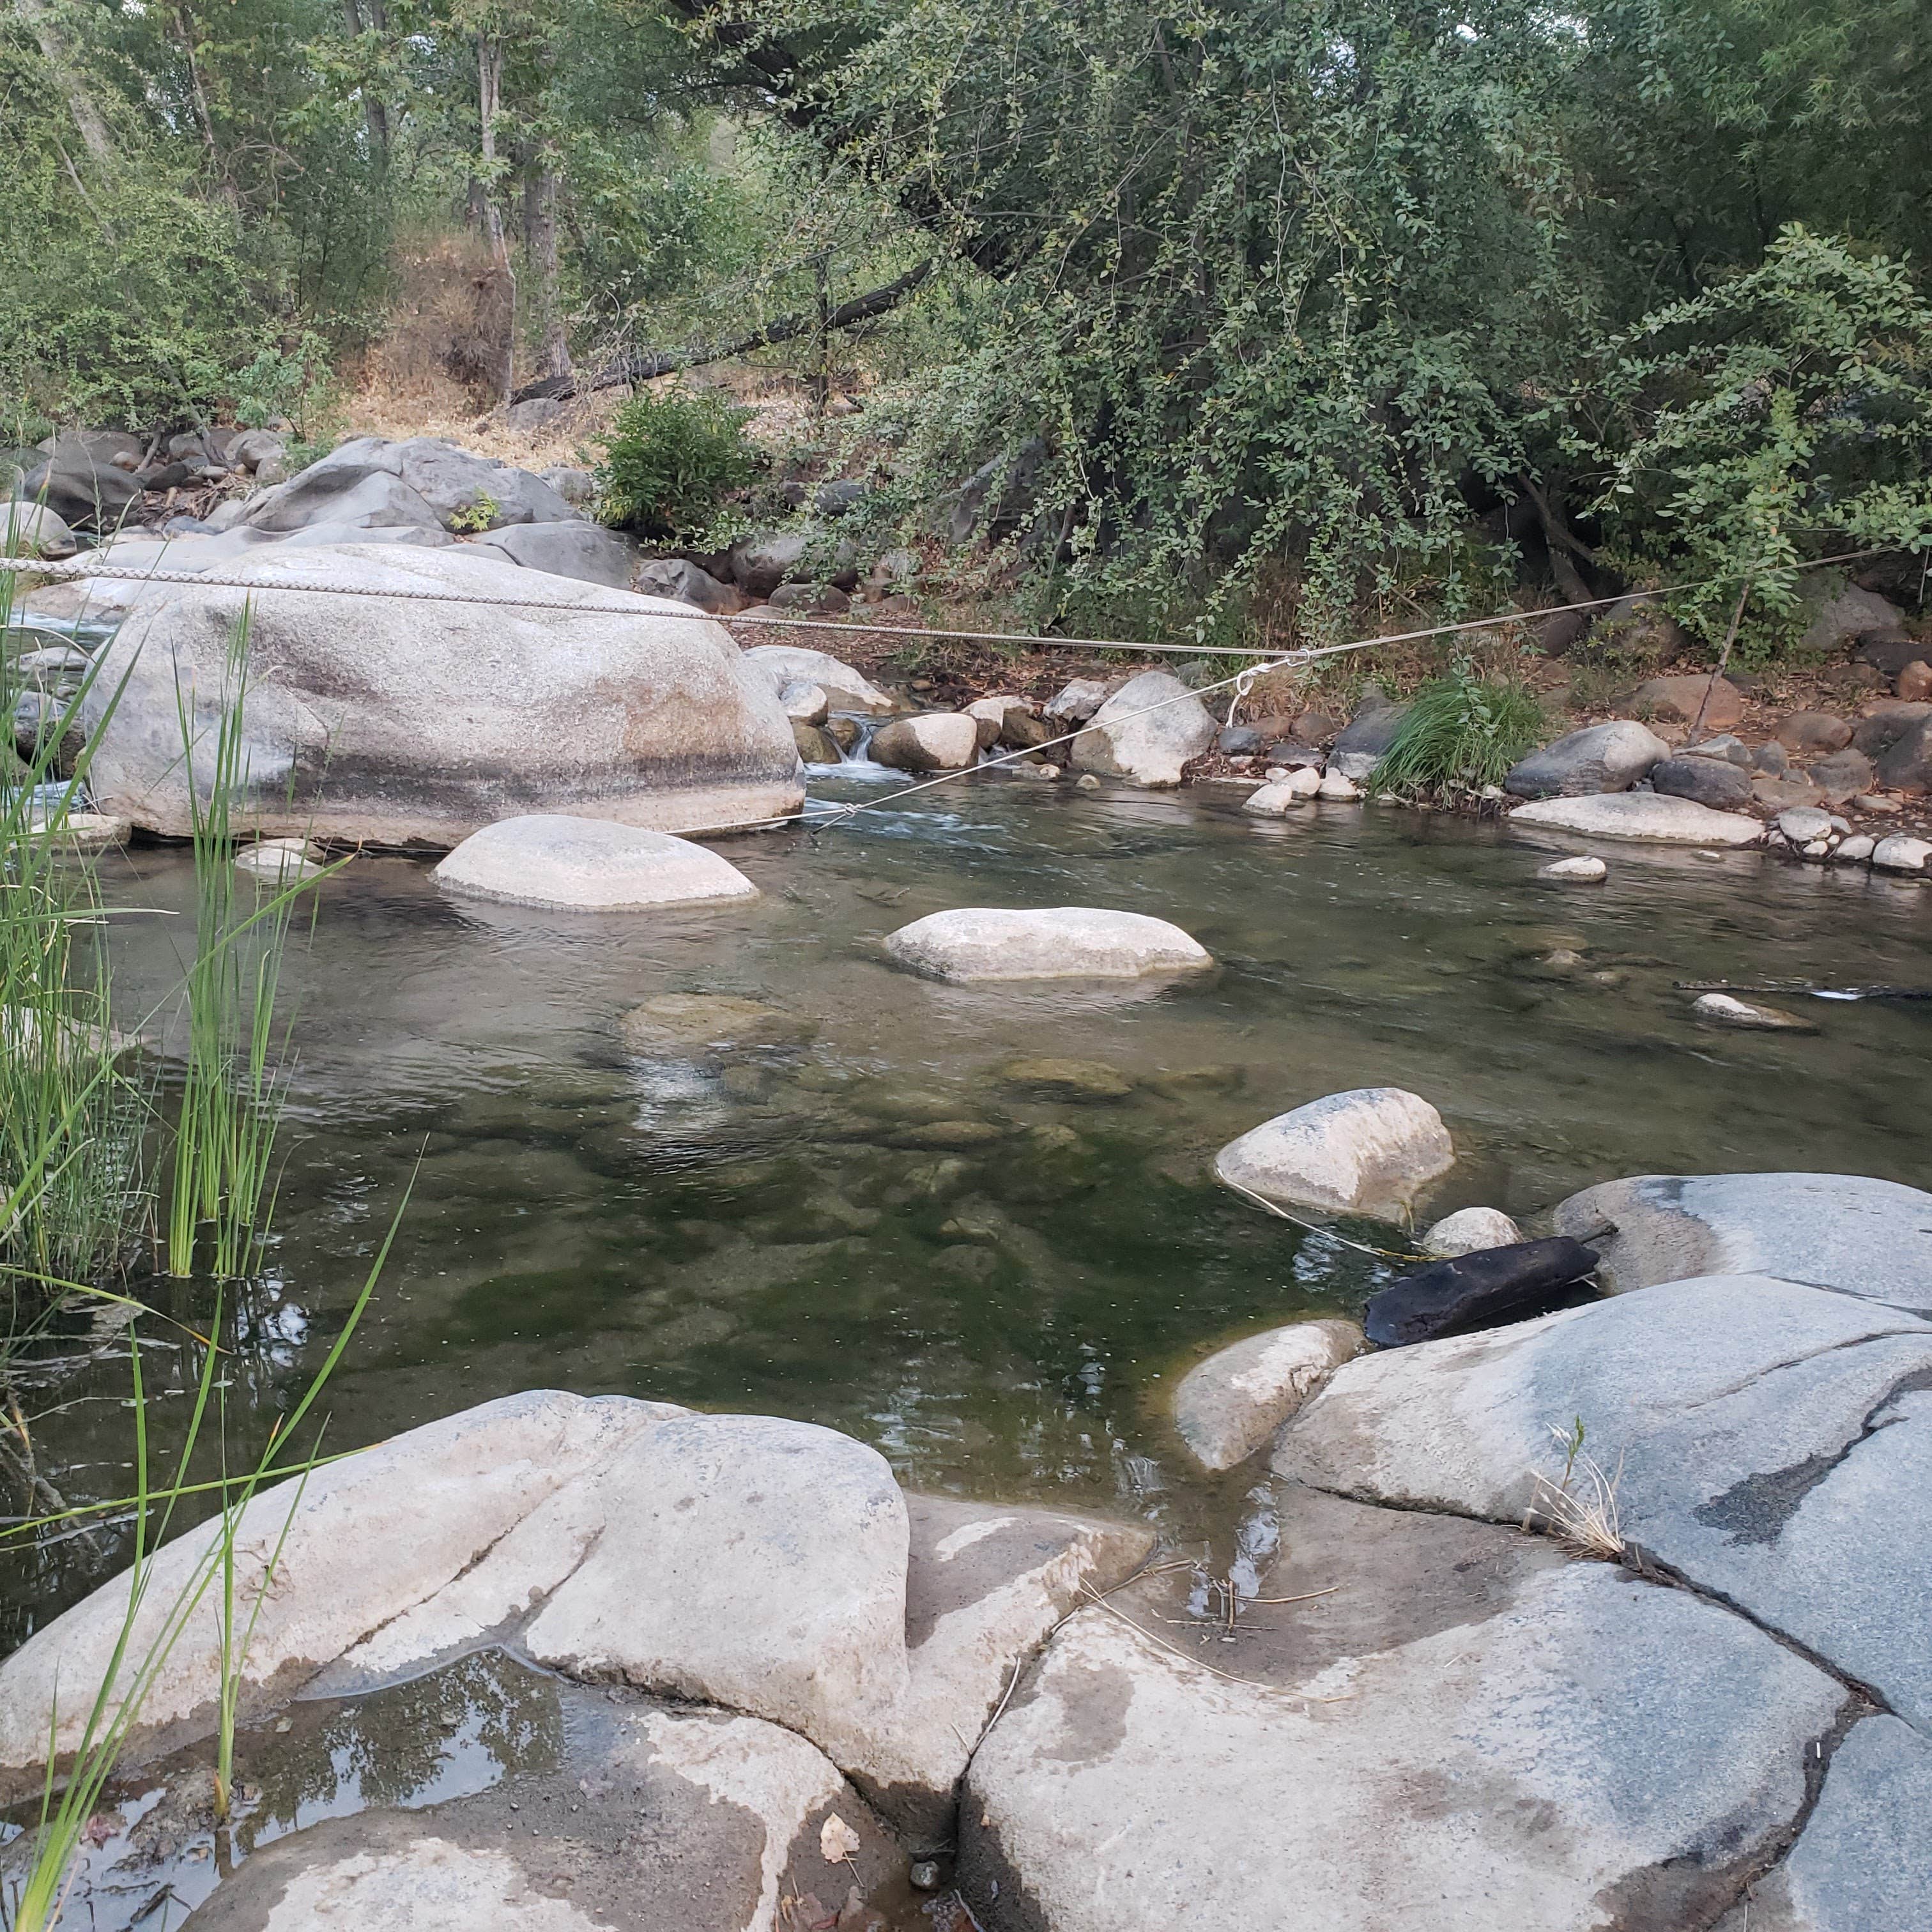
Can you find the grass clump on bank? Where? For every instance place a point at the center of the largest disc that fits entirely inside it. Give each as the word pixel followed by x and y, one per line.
pixel 1462 730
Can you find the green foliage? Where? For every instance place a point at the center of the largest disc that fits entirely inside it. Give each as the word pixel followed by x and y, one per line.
pixel 473 518
pixel 671 461
pixel 296 385
pixel 1781 416
pixel 1465 729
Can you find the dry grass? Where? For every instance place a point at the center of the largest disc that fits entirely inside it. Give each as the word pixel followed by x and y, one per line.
pixel 1579 1507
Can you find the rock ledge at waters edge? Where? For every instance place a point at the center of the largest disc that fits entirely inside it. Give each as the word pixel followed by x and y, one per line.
pixel 589 865
pixel 1370 1151
pixel 984 943
pixel 1651 817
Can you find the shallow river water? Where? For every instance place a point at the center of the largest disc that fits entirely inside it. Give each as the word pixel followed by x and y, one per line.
pixel 876 1220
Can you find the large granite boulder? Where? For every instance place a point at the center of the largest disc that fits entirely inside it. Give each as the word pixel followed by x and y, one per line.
pixel 80 482
pixel 1439 1726
pixel 1598 758
pixel 34 529
pixel 1846 1232
pixel 428 705
pixel 421 475
pixel 849 690
pixel 1770 1444
pixel 1370 1151
pixel 587 865
pixel 935 741
pixel 585 551
pixel 982 943
pixel 1145 733
pixel 1645 817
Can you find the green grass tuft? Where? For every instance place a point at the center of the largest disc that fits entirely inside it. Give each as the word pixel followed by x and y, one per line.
pixel 1464 729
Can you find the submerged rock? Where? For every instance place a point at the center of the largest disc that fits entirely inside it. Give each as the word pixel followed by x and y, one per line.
pixel 677 1022
pixel 1485 1288
pixel 1642 816
pixel 1469 1230
pixel 1228 1406
pixel 281 862
pixel 1052 943
pixel 1070 1079
pixel 1370 1151
pixel 1846 1232
pixel 550 859
pixel 1581 870
pixel 1146 732
pixel 417 717
pixel 1721 1010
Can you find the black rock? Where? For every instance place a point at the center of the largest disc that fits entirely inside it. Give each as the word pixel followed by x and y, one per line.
pixel 1238 740
pixel 1711 781
pixel 1489 1287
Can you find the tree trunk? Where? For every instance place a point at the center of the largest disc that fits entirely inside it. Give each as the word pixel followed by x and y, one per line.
pixel 489 101
pixel 73 90
pixel 375 109
pixel 540 239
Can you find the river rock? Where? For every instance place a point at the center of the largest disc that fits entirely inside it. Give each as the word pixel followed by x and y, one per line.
pixel 1643 816
pixel 804 703
pixel 369 1536
pixel 816 745
pixel 1781 794
pixel 1842 776
pixel 1412 1752
pixel 1370 1151
pixel 1837 609
pixel 370 479
pixel 1733 751
pixel 656 1816
pixel 1607 758
pixel 1371 731
pixel 1468 1230
pixel 34 529
pixel 1898 854
pixel 1711 781
pixel 1228 1406
pixel 281 862
pixel 1863 1862
pixel 936 741
pixel 1076 702
pixel 1771 1443
pixel 585 551
pixel 1800 824
pixel 679 578
pixel 1845 1231
pixel 848 689
pixel 979 943
pixel 760 563
pixel 1068 1079
pixel 1721 1010
pixel 80 483
pixel 1905 764
pixel 1584 870
pixel 413 720
pixel 589 865
pixel 1280 796
pixel 1681 699
pixel 1914 682
pixel 1146 732
pixel 1807 733
pixel 1484 1289
pixel 1338 787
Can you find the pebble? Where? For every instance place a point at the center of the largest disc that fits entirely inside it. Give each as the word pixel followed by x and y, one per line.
pixel 925 1875
pixel 1580 870
pixel 1087 781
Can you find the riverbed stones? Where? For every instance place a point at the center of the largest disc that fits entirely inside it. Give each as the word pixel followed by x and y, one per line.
pixel 1468 1230
pixel 1372 1150
pixel 409 714
pixel 34 529
pixel 1771 1443
pixel 281 862
pixel 1643 817
pixel 1850 1233
pixel 1145 733
pixel 848 689
pixel 1842 774
pixel 1077 701
pixel 370 1535
pixel 1282 795
pixel 984 943
pixel 1061 1079
pixel 1683 698
pixel 1469 1734
pixel 587 865
pixel 1337 787
pixel 1812 733
pixel 1609 757
pixel 1722 1009
pixel 1712 781
pixel 1864 1862
pixel 1584 870
pixel 936 741
pixel 1900 853
pixel 1229 1406
pixel 655 1816
pixel 685 1022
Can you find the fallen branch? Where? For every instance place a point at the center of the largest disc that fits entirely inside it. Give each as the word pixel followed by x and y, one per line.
pixel 642 368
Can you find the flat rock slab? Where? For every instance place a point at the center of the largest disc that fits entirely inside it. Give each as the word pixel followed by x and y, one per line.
pixel 1864 1862
pixel 1644 817
pixel 1230 1405
pixel 1772 1443
pixel 1468 1735
pixel 708 1822
pixel 979 943
pixel 1372 1151
pixel 587 865
pixel 1847 1231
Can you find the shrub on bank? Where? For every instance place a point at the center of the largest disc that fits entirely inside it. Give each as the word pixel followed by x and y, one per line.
pixel 671 461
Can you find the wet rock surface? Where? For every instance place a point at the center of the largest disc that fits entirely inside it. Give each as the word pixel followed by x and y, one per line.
pixel 1228 1407
pixel 551 858
pixel 1054 943
pixel 1641 816
pixel 1372 1151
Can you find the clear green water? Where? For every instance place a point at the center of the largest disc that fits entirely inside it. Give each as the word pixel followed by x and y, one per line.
pixel 876 1227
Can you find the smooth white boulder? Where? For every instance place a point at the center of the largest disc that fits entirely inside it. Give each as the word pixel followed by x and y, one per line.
pixel 977 942
pixel 437 698
pixel 1146 732
pixel 937 741
pixel 849 690
pixel 1900 853
pixel 1337 787
pixel 1281 795
pixel 1468 1230
pixel 1583 870
pixel 1228 1406
pixel 551 858
pixel 1650 817
pixel 1370 1151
